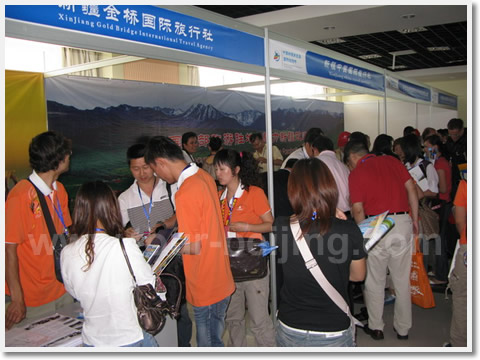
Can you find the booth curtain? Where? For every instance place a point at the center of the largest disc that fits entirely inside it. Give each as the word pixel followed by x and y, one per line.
pixel 77 56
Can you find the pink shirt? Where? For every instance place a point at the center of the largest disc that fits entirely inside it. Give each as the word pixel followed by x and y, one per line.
pixel 340 174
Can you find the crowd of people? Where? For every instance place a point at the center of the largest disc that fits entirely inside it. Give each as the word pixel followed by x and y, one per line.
pixel 321 192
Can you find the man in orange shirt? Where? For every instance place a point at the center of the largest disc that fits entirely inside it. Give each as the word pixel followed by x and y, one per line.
pixel 208 277
pixel 458 276
pixel 30 279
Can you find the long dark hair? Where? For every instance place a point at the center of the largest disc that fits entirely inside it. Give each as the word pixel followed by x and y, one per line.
pixel 95 201
pixel 312 188
pixel 411 148
pixel 248 174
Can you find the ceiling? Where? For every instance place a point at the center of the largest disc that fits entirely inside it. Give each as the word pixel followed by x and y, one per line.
pixel 360 30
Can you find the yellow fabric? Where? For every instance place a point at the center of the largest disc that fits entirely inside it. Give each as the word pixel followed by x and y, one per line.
pixel 25 117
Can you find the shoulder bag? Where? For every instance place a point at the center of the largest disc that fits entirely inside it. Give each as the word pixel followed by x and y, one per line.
pixel 317 273
pixel 246 259
pixel 59 241
pixel 151 310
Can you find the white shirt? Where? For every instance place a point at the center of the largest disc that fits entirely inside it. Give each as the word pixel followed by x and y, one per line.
pixel 340 174
pixel 299 154
pixel 132 206
pixel 432 176
pixel 105 290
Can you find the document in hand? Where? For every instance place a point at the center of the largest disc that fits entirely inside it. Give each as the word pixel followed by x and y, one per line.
pixel 374 229
pixel 159 257
pixel 419 177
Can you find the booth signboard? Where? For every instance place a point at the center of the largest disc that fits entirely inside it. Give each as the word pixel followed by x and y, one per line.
pixel 334 69
pixel 444 99
pixel 147 24
pixel 287 57
pixel 408 89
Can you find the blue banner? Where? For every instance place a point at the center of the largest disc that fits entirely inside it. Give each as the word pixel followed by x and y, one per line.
pixel 415 91
pixel 449 100
pixel 330 68
pixel 147 24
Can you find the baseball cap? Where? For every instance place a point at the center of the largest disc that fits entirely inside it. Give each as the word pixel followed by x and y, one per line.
pixel 343 138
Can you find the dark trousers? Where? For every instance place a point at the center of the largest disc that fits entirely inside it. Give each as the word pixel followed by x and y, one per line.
pixel 184 327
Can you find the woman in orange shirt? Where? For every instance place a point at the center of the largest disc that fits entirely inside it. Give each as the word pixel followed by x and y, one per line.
pixel 246 213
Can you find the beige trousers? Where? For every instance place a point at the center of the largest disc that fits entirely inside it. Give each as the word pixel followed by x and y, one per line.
pixel 255 293
pixel 393 252
pixel 458 285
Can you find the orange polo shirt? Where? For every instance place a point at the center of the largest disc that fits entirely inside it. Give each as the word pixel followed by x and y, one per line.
pixel 461 200
pixel 25 226
pixel 248 208
pixel 208 277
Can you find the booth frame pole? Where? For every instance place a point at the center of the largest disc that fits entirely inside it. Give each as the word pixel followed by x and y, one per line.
pixel 385 104
pixel 269 138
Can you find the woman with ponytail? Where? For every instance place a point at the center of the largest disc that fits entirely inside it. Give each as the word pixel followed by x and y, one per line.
pixel 96 273
pixel 246 213
pixel 307 316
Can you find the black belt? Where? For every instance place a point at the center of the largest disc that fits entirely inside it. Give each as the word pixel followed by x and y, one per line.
pixel 392 213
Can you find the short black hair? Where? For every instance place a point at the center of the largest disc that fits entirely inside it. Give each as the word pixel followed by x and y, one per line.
pixel 322 143
pixel 215 143
pixel 47 150
pixel 407 130
pixel 162 147
pixel 354 147
pixel 312 134
pixel 135 151
pixel 187 136
pixel 442 132
pixel 255 136
pixel 411 148
pixel 359 136
pixel 455 124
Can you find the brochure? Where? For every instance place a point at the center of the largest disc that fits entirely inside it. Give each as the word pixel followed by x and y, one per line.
pixel 49 331
pixel 419 177
pixel 374 229
pixel 161 256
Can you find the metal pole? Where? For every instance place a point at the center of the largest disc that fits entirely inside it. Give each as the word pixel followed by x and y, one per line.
pixel 268 128
pixel 385 103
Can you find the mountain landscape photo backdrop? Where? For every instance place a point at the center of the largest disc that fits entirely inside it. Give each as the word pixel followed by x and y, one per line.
pixel 104 117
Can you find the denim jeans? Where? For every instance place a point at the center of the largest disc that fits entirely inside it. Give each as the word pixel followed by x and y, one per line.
pixel 147 341
pixel 286 337
pixel 210 322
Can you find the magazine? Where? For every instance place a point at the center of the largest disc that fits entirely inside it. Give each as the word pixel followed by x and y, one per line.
pixel 160 256
pixel 49 331
pixel 419 177
pixel 374 229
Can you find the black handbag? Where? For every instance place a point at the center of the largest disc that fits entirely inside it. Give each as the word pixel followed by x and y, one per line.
pixel 59 241
pixel 151 310
pixel 246 260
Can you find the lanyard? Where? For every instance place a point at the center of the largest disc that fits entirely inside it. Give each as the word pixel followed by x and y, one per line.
pixel 147 215
pixel 59 214
pixel 230 210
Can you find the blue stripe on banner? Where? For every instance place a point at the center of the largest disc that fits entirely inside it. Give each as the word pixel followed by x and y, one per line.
pixel 148 24
pixel 415 91
pixel 326 67
pixel 448 100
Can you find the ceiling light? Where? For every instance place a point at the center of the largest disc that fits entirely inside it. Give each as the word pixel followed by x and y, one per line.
pixel 329 28
pixel 331 41
pixel 403 52
pixel 370 56
pixel 455 61
pixel 438 48
pixel 413 30
pixel 397 67
pixel 408 16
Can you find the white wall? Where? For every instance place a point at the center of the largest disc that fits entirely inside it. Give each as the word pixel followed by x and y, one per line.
pixel 367 117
